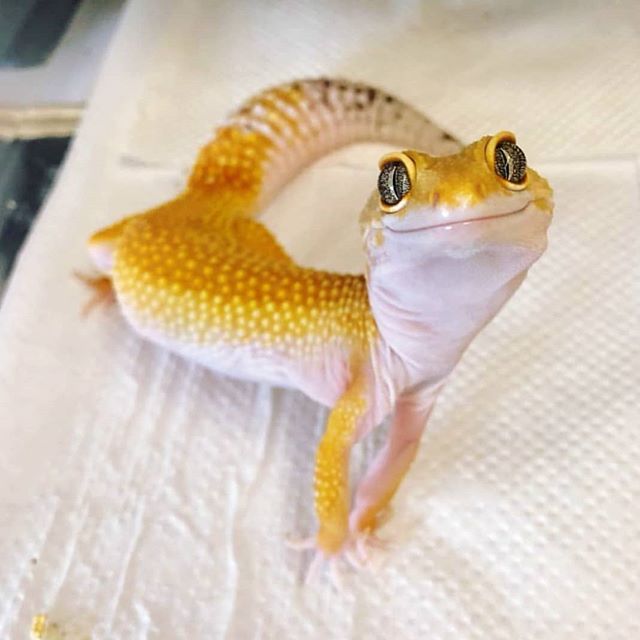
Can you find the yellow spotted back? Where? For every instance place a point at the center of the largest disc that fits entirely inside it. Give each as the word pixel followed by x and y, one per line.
pixel 210 276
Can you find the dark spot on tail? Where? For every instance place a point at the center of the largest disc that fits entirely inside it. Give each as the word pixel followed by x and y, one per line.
pixel 371 94
pixel 449 137
pixel 388 99
pixel 324 94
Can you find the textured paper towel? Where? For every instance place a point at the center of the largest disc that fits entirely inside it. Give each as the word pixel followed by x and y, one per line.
pixel 562 74
pixel 142 496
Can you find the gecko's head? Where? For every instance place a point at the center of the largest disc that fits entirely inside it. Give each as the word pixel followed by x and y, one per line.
pixel 483 196
pixel 477 195
pixel 458 230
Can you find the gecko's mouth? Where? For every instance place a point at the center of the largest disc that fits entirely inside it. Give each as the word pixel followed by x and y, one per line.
pixel 466 221
pixel 507 214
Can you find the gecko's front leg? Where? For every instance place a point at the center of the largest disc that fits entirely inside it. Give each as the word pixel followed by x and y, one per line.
pixel 385 474
pixel 331 481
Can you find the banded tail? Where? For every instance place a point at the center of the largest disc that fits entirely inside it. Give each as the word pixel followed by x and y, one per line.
pixel 277 133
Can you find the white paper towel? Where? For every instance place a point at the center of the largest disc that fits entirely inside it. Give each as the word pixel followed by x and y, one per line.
pixel 141 496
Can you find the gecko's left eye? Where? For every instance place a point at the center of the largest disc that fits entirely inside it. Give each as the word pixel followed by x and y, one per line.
pixel 394 181
pixel 510 162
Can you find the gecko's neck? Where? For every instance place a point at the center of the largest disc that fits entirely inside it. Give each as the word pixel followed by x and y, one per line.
pixel 429 311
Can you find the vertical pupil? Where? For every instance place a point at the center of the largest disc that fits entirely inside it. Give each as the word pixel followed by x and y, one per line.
pixel 393 182
pixel 510 162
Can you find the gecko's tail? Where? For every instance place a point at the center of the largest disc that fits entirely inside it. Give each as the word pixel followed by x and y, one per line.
pixel 277 133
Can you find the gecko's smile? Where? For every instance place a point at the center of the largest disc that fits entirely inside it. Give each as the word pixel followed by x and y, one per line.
pixel 465 221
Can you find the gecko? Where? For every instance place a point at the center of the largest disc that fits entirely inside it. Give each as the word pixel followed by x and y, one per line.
pixel 448 232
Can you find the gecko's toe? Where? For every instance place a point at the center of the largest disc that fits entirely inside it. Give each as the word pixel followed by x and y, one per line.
pixel 300 544
pixel 314 567
pixel 337 574
pixel 102 288
pixel 335 566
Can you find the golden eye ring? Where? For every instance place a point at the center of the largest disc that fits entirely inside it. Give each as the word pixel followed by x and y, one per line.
pixel 507 160
pixel 397 177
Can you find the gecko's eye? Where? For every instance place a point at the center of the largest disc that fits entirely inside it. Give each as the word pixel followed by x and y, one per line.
pixel 510 163
pixel 394 181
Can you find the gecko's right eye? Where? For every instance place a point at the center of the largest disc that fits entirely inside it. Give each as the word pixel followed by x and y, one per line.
pixel 394 181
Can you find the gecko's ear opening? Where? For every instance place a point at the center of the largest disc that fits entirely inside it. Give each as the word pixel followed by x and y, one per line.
pixel 397 176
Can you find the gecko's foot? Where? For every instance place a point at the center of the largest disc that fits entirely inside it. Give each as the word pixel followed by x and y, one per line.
pixel 362 550
pixel 367 550
pixel 334 561
pixel 102 288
